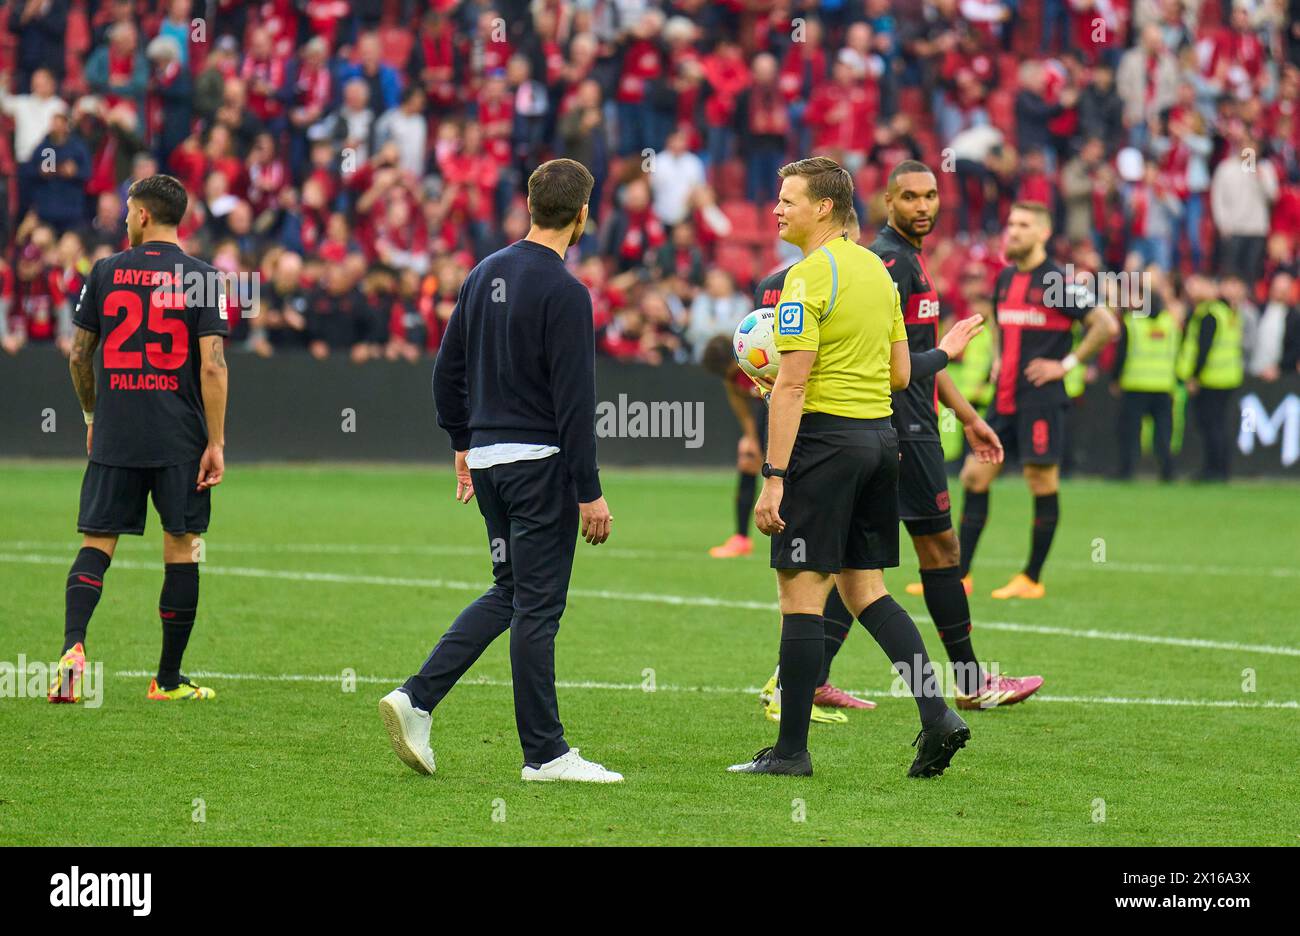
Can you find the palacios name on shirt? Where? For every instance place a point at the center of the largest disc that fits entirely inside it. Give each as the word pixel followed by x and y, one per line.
pixel 161 382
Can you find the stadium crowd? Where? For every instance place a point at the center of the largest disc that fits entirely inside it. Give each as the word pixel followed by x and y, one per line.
pixel 364 155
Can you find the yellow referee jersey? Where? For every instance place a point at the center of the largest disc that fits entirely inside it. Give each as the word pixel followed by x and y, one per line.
pixel 841 302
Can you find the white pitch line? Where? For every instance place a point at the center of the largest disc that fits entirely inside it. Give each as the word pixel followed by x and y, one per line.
pixel 720 690
pixel 616 552
pixel 695 601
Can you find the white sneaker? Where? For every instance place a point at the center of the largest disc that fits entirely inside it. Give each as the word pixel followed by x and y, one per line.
pixel 569 766
pixel 408 729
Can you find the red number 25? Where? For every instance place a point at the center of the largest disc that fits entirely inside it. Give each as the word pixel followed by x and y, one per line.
pixel 127 304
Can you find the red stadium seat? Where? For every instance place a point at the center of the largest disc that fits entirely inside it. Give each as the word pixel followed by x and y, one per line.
pixel 729 180
pixel 911 101
pixel 746 225
pixel 739 261
pixel 396 44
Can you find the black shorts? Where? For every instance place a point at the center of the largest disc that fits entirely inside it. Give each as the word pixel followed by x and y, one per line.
pixel 115 500
pixel 1032 435
pixel 840 504
pixel 923 488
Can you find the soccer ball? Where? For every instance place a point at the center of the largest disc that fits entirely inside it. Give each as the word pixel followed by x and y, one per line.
pixel 755 344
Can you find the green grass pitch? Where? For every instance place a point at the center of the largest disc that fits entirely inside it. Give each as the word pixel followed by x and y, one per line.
pixel 1168 717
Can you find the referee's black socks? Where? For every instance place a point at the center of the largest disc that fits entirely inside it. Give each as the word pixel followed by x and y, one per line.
pixel 837 622
pixel 895 631
pixel 802 640
pixel 1047 511
pixel 945 599
pixel 85 585
pixel 974 513
pixel 176 607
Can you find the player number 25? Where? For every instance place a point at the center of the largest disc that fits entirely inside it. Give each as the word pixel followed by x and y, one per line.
pixel 127 304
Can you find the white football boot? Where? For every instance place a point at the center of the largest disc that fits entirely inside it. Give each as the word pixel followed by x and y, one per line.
pixel 408 729
pixel 569 766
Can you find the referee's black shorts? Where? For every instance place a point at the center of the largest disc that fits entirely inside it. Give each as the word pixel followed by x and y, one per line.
pixel 923 488
pixel 840 504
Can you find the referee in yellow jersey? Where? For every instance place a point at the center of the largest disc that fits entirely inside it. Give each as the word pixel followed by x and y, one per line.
pixel 830 495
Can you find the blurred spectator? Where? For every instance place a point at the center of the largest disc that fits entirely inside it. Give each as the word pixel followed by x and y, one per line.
pixel 633 232
pixel 1265 358
pixel 1101 110
pixel 674 173
pixel 716 310
pixel 31 112
pixel 337 319
pixel 406 127
pixel 39 26
pixel 382 81
pixel 763 126
pixel 1147 81
pixel 1242 191
pixel 55 176
pixel 117 71
pixel 172 114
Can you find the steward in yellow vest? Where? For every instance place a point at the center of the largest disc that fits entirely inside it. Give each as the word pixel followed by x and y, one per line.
pixel 1145 365
pixel 1211 365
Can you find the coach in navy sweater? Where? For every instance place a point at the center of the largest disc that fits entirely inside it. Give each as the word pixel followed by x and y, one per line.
pixel 514 386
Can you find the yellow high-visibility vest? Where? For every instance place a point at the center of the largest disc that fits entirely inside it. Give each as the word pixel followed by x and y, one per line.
pixel 1152 355
pixel 1224 367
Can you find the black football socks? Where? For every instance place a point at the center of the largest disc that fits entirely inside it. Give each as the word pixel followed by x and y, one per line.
pixel 838 622
pixel 746 485
pixel 85 585
pixel 974 514
pixel 1047 509
pixel 176 607
pixel 945 599
pixel 895 631
pixel 803 637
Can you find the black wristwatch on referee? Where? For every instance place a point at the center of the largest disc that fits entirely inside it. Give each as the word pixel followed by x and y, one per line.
pixel 770 472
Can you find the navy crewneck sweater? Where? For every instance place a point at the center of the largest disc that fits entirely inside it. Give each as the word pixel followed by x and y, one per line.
pixel 517 363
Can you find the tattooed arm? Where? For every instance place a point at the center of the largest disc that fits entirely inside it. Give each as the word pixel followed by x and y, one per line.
pixel 212 377
pixel 81 363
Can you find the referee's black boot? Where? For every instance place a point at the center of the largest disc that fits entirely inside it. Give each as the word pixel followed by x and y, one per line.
pixel 936 745
pixel 767 761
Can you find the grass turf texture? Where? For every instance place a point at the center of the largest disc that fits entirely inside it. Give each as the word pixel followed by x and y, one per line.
pixel 283 761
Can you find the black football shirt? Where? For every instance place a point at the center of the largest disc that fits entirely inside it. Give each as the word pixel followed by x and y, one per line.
pixel 916 407
pixel 768 291
pixel 1035 311
pixel 149 400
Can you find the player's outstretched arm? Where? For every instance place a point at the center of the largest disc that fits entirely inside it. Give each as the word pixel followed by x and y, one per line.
pixel 213 379
pixel 81 363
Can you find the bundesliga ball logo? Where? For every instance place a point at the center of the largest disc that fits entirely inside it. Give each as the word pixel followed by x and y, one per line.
pixel 755 344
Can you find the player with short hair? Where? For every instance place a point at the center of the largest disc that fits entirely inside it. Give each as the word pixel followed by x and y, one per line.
pixel 830 498
pixel 912 205
pixel 1035 307
pixel 160 404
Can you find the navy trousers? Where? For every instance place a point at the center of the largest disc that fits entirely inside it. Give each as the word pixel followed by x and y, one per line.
pixel 531 512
